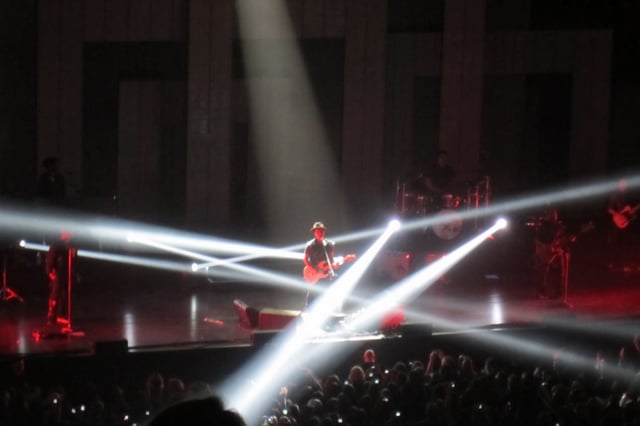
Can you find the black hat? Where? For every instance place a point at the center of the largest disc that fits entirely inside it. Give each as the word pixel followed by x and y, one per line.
pixel 317 225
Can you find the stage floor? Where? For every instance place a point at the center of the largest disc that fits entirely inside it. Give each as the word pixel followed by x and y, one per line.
pixel 155 309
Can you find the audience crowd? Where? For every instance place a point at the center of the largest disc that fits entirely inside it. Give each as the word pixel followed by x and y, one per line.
pixel 443 389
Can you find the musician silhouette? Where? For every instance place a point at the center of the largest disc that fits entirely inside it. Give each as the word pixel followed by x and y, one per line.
pixel 552 254
pixel 318 261
pixel 59 271
pixel 623 213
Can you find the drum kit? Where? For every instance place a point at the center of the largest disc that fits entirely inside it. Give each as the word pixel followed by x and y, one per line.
pixel 416 204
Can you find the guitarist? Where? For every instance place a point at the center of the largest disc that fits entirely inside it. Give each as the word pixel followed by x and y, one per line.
pixel 318 259
pixel 622 214
pixel 551 254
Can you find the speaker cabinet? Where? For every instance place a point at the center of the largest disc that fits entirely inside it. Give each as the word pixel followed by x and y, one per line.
pixel 276 319
pixel 247 316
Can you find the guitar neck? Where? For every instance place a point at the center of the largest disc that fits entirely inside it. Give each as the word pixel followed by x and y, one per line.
pixel 625 211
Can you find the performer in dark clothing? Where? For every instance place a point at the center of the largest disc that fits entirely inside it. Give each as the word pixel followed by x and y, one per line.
pixel 440 176
pixel 428 191
pixel 619 201
pixel 552 254
pixel 318 260
pixel 58 267
pixel 623 213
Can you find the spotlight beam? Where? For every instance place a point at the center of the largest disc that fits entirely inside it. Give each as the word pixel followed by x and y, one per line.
pixel 19 221
pixel 287 136
pixel 118 258
pixel 238 272
pixel 559 196
pixel 249 272
pixel 539 351
pixel 418 282
pixel 202 244
pixel 283 253
pixel 242 272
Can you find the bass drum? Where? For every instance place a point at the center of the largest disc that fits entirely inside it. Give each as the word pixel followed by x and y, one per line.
pixel 448 224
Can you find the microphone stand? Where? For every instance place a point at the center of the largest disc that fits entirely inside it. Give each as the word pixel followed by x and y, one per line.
pixel 332 272
pixel 68 329
pixel 6 293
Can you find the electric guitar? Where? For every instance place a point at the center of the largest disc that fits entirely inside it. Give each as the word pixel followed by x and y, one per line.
pixel 322 268
pixel 560 245
pixel 624 217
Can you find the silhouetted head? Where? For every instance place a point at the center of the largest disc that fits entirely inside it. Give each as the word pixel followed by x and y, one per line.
pixel 198 412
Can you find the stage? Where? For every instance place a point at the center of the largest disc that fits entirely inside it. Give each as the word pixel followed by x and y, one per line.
pixel 147 309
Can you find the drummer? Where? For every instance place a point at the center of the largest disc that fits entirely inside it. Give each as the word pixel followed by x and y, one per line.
pixel 440 175
pixel 430 191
